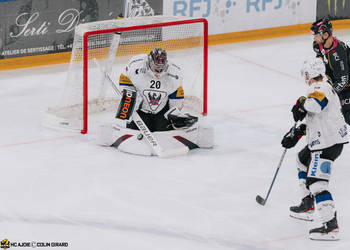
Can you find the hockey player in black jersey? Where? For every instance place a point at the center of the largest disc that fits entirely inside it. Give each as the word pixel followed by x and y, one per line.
pixel 336 56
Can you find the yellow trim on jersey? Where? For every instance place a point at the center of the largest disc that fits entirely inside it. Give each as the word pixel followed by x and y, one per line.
pixel 180 92
pixel 320 98
pixel 177 94
pixel 124 80
pixel 317 95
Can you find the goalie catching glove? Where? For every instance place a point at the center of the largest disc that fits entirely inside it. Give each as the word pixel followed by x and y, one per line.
pixel 179 120
pixel 292 137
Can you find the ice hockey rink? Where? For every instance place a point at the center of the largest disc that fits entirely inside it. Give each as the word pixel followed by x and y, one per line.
pixel 62 187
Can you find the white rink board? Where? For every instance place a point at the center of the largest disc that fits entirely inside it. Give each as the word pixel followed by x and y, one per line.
pixel 226 16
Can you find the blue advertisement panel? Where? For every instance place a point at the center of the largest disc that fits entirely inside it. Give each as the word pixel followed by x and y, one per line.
pixel 226 16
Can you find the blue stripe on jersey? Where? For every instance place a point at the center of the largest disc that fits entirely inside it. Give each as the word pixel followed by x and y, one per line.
pixel 302 175
pixel 175 96
pixel 324 196
pixel 322 103
pixel 125 84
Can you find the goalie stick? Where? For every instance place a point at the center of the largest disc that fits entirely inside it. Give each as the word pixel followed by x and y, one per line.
pixel 260 199
pixel 151 139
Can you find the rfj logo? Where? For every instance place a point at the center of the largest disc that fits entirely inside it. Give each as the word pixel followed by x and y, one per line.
pixel 222 8
pixel 5 244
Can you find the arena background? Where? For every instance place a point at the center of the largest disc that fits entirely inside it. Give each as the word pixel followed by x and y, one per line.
pixel 39 32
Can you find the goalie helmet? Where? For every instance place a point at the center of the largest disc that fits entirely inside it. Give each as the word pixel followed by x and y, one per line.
pixel 312 68
pixel 321 26
pixel 157 60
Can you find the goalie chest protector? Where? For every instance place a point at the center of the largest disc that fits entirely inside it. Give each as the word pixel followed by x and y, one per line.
pixel 127 105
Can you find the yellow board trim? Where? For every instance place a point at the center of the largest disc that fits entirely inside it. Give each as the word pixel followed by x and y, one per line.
pixel 242 36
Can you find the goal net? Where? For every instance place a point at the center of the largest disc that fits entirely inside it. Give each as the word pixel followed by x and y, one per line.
pixel 88 98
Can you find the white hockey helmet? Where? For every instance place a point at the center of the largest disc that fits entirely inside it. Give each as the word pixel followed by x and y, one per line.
pixel 158 60
pixel 312 68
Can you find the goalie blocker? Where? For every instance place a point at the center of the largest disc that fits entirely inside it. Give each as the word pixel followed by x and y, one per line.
pixel 127 105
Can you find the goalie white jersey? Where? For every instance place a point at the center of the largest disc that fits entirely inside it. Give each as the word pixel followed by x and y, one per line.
pixel 156 89
pixel 325 123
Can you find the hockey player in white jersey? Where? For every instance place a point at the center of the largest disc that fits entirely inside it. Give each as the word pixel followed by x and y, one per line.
pixel 152 86
pixel 326 133
pixel 159 85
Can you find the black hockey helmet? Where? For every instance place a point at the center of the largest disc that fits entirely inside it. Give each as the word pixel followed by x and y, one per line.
pixel 322 25
pixel 158 60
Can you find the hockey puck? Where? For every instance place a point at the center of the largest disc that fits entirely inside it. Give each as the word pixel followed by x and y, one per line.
pixel 139 137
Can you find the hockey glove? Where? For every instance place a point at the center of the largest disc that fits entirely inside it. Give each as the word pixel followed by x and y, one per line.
pixel 292 137
pixel 179 120
pixel 184 121
pixel 298 109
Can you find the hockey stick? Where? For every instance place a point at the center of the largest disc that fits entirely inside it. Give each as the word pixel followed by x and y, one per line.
pixel 151 139
pixel 260 199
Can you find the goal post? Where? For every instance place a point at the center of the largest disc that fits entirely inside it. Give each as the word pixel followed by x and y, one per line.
pixel 113 43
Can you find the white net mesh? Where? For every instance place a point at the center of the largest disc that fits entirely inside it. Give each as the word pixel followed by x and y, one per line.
pixel 183 42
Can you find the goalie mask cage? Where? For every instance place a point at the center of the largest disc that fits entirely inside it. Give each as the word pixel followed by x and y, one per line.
pixel 87 94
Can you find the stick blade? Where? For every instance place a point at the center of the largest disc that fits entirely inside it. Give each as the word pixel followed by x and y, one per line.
pixel 260 200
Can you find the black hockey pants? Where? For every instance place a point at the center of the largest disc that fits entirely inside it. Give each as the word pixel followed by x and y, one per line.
pixel 345 103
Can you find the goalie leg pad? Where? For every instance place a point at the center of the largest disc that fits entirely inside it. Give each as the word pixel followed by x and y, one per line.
pixel 129 140
pixel 193 137
pixel 124 139
pixel 205 137
pixel 106 135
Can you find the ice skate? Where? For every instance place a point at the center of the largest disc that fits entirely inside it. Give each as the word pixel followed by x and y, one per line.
pixel 305 210
pixel 329 231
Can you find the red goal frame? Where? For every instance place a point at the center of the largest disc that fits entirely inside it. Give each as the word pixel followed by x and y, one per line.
pixel 138 27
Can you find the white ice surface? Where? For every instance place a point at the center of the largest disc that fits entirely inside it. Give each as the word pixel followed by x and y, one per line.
pixel 58 186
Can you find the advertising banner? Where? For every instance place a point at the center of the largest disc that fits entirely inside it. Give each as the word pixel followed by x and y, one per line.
pixel 34 27
pixel 226 16
pixel 335 9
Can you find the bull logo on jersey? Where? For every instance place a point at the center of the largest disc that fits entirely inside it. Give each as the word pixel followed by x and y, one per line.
pixel 154 98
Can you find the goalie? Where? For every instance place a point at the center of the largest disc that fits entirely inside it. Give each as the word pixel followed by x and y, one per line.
pixel 152 86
